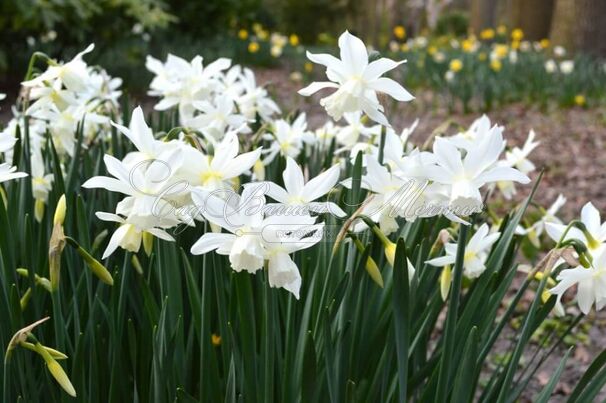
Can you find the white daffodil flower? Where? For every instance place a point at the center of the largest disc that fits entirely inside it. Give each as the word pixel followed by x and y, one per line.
pixel 41 184
pixel 281 237
pixel 8 173
pixel 590 217
pixel 518 158
pixel 253 240
pixel 151 186
pixel 535 231
pixel 217 117
pixel 466 175
pixel 357 81
pixel 476 252
pixel 143 139
pixel 215 172
pixel 350 134
pixel 242 216
pixel 180 82
pixel 480 127
pixel 591 283
pixel 255 100
pixel 129 235
pixel 297 192
pixel 73 74
pixel 288 139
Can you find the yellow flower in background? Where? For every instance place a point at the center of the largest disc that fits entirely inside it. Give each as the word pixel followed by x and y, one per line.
pixel 487 34
pixel 399 32
pixel 501 29
pixel 243 34
pixel 515 45
pixel 253 47
pixel 517 34
pixel 215 340
pixel 544 43
pixel 294 40
pixel 468 45
pixel 263 34
pixel 432 50
pixel 496 65
pixel 308 67
pixel 455 65
pixel 579 100
pixel 501 51
pixel 257 27
pixel 404 47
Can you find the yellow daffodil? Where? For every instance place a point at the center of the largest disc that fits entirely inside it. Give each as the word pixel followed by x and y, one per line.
pixel 293 39
pixel 579 100
pixel 215 340
pixel 455 65
pixel 399 32
pixel 253 47
pixel 544 43
pixel 496 65
pixel 487 34
pixel 243 34
pixel 517 35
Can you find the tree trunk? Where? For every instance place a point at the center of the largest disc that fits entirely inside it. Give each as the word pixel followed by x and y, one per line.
pixel 483 14
pixel 590 32
pixel 532 16
pixel 579 25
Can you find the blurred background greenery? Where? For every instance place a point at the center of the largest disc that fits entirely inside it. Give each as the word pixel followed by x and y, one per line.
pixel 125 31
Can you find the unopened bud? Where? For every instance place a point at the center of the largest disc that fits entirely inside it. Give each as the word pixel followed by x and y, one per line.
pixel 59 217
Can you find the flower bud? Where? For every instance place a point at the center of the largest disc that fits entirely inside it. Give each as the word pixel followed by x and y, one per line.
pixel 59 217
pixel 373 271
pixel 445 280
pixel 148 243
pixel 56 370
pixel 39 210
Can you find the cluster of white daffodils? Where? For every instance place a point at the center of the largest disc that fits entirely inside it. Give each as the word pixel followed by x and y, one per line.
pixel 211 99
pixel 169 184
pixel 63 99
pixel 590 280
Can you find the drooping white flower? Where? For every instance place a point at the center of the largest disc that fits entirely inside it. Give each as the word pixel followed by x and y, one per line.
pixel 466 175
pixel 217 117
pixel 476 252
pixel 288 139
pixel 73 74
pixel 518 158
pixel 130 234
pixel 591 283
pixel 180 82
pixel 297 192
pixel 255 100
pixel 252 239
pixel 143 139
pixel 350 134
pixel 549 216
pixel 590 217
pixel 357 81
pixel 8 173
